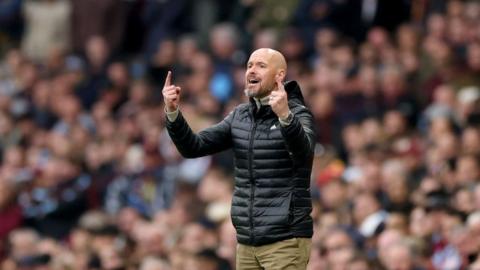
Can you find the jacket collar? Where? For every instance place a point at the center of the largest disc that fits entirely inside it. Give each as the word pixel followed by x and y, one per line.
pixel 259 102
pixel 294 93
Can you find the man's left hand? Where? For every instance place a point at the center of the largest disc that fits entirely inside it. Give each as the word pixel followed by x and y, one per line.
pixel 278 100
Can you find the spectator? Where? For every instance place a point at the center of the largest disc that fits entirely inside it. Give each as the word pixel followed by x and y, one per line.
pixel 47 28
pixel 10 212
pixel 339 248
pixel 162 21
pixel 11 24
pixel 399 256
pixel 105 19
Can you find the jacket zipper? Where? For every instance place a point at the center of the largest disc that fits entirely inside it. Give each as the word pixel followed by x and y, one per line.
pixel 252 180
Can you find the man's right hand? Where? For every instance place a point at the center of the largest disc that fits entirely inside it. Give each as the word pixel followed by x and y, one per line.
pixel 171 94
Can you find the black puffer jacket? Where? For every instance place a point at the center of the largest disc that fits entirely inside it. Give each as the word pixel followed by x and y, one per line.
pixel 271 199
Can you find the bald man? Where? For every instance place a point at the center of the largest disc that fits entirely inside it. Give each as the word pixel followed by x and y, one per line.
pixel 273 142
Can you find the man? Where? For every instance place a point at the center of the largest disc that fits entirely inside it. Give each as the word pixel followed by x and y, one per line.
pixel 273 141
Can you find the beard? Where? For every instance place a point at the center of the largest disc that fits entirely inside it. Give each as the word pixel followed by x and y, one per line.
pixel 262 91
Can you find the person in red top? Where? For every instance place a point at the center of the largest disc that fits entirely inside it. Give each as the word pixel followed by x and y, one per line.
pixel 10 212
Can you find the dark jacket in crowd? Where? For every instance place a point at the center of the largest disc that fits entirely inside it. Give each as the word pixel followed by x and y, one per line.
pixel 271 199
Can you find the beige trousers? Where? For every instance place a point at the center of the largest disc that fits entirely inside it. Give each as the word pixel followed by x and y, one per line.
pixel 287 254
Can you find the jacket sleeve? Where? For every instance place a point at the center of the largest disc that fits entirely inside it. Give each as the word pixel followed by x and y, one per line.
pixel 211 140
pixel 299 136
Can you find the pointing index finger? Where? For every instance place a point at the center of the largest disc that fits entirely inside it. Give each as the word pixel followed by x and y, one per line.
pixel 278 80
pixel 168 80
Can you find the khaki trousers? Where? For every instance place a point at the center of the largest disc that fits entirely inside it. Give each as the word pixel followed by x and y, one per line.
pixel 287 254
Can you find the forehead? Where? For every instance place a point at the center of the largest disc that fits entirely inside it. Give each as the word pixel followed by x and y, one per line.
pixel 261 56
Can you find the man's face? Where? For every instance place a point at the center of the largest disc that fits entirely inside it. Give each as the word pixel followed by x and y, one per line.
pixel 260 74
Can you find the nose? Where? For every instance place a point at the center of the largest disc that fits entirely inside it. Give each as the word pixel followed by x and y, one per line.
pixel 251 71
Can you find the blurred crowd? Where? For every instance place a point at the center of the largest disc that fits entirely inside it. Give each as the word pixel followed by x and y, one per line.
pixel 90 180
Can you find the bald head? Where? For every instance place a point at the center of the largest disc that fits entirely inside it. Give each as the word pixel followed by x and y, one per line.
pixel 265 66
pixel 275 57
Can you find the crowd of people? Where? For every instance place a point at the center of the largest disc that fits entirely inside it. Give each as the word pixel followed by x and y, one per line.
pixel 89 178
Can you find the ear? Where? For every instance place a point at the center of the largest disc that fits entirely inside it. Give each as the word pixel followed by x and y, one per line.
pixel 280 74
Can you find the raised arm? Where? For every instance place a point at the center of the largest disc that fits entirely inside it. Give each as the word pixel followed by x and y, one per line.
pixel 296 126
pixel 208 141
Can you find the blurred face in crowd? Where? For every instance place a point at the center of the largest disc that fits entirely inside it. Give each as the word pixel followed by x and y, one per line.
pixel 7 193
pixel 467 169
pixel 118 74
pixel 398 257
pixel 385 240
pixel 457 31
pixel 470 141
pixel 351 138
pixel 97 50
pixel 392 82
pixel 23 242
pixel 213 187
pixel 473 56
pixel 334 194
pixel 165 54
pixel 394 123
pixel 476 195
pixel 368 81
pixel 339 248
pixel 223 40
pixel 265 39
pixel 463 201
pixel 398 222
pixel 444 94
pixel 364 205
pixel 455 8
pixel 326 221
pixel 153 263
pixel 407 37
pixel 436 25
pixel 372 130
pixel 111 258
pixel 324 39
pixel 378 37
pixel 358 264
pixel 343 57
pixel 322 104
pixel 263 67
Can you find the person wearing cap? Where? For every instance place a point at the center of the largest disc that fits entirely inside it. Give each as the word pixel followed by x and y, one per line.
pixel 273 141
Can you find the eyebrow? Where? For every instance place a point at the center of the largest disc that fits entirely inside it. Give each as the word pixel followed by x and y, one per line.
pixel 258 62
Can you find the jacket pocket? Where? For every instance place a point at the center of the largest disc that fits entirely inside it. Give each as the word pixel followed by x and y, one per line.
pixel 291 208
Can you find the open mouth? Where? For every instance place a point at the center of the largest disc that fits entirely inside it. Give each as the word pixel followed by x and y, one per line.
pixel 253 81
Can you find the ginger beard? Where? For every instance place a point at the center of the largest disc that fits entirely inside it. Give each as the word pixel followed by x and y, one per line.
pixel 258 88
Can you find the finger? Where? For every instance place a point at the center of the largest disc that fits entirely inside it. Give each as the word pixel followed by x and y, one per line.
pixel 172 99
pixel 172 89
pixel 272 100
pixel 168 88
pixel 278 80
pixel 279 85
pixel 172 94
pixel 168 80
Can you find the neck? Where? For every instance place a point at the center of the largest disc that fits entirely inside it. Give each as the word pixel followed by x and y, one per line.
pixel 259 101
